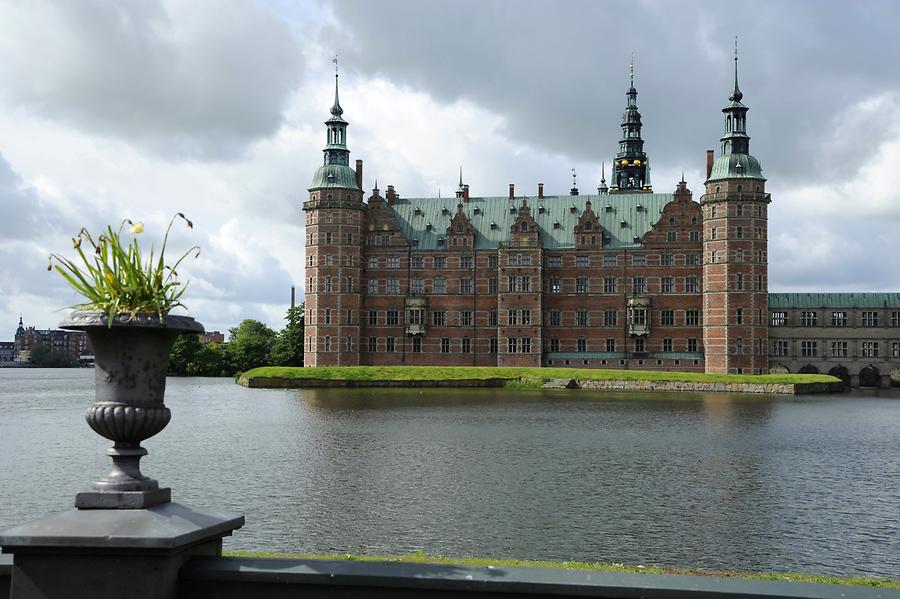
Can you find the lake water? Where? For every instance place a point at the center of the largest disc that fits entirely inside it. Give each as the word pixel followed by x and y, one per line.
pixel 702 480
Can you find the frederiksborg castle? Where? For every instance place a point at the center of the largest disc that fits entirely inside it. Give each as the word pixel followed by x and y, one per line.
pixel 624 278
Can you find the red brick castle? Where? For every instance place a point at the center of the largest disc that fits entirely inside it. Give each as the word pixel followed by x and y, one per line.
pixel 626 278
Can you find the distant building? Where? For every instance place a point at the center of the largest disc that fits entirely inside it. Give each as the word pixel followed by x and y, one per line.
pixel 74 343
pixel 7 352
pixel 212 337
pixel 853 336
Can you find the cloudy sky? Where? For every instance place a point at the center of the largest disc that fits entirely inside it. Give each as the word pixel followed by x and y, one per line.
pixel 140 109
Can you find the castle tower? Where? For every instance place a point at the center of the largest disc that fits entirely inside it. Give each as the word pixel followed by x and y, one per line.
pixel 631 171
pixel 735 273
pixel 334 230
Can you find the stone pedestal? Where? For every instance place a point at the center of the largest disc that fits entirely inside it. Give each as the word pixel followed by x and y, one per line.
pixel 106 554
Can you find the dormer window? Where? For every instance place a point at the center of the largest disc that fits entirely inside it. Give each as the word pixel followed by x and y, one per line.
pixel 417 211
pixel 444 211
pixel 428 227
pixel 608 208
pixel 623 224
pixel 556 224
pixel 440 241
pixel 671 220
pixel 639 207
pixel 415 242
pixel 512 209
pixel 493 226
pixel 477 210
pixel 573 209
pixel 637 239
pixel 541 209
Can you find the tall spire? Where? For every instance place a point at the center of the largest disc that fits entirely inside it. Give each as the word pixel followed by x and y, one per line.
pixel 736 94
pixel 603 189
pixel 630 169
pixel 461 190
pixel 336 109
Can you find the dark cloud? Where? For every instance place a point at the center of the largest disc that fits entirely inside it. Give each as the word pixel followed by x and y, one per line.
pixel 558 71
pixel 195 78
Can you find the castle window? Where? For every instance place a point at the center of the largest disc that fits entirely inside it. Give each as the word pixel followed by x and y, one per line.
pixel 465 318
pixel 739 232
pixel 870 319
pixel 440 262
pixel 444 211
pixel 671 236
pixel 667 260
pixel 608 208
pixel 739 255
pixel 417 211
pixel 582 260
pixel 717 189
pixel 465 286
pixel 636 239
pixel 494 345
pixel 667 318
pixel 639 260
pixel 373 344
pixel 465 345
pixel 465 261
pixel 581 285
pixel 581 345
pixel 541 209
pixel 373 318
pixel 393 318
pixel 428 227
pixel 779 319
pixel 393 262
pixel 694 236
pixel 739 210
pixel 623 224
pixel 493 226
pixel 739 188
pixel 588 226
pixel 713 233
pixel 554 344
pixel 415 262
pixel 438 318
pixel 639 285
pixel 512 209
pixel 667 285
pixel 328 284
pixel 523 227
pixel 554 261
pixel 639 208
pixel 810 349
pixel 327 343
pixel 556 224
pixel 327 315
pixel 440 241
pixel 808 319
pixel 554 318
pixel 440 285
pixel 739 316
pixel 512 317
pixel 417 286
pixel 671 221
pixel 417 345
pixel 573 209
pixel 459 228
pixel 492 285
pixel 691 285
pixel 493 261
pixel 609 285
pixel 477 210
pixel 492 318
pixel 739 281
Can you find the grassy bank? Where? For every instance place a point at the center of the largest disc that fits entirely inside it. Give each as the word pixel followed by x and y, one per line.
pixel 421 558
pixel 520 377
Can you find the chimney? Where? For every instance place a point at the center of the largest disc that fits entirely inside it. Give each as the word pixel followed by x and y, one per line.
pixel 710 157
pixel 466 194
pixel 359 173
pixel 391 194
pixel 540 191
pixel 293 297
pixel 512 190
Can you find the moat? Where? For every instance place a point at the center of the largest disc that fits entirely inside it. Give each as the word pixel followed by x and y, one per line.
pixel 697 480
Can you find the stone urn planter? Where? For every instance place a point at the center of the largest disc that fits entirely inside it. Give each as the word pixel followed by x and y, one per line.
pixel 132 358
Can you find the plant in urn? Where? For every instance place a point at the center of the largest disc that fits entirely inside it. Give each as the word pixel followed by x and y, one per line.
pixel 126 317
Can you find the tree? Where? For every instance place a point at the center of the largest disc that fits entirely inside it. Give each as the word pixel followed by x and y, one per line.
pixel 47 358
pixel 183 354
pixel 249 345
pixel 288 349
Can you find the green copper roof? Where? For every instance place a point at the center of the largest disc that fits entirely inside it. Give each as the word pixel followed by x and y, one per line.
pixel 834 300
pixel 622 207
pixel 341 176
pixel 736 166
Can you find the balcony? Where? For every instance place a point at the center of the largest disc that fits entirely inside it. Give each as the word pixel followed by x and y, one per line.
pixel 639 316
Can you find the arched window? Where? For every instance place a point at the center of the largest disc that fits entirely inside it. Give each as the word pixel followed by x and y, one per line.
pixel 671 220
pixel 523 227
pixel 588 226
pixel 739 188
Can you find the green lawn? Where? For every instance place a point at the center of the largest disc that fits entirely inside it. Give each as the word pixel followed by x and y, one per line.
pixel 517 376
pixel 421 558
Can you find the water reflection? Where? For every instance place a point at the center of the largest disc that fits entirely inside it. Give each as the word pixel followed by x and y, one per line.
pixel 710 480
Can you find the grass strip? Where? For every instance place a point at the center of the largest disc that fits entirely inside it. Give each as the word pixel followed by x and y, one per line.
pixel 518 376
pixel 422 558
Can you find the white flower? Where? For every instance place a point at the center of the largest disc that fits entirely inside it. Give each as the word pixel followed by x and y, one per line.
pixel 137 228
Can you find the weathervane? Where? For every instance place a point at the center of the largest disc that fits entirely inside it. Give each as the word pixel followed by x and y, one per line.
pixel 631 69
pixel 574 175
pixel 335 61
